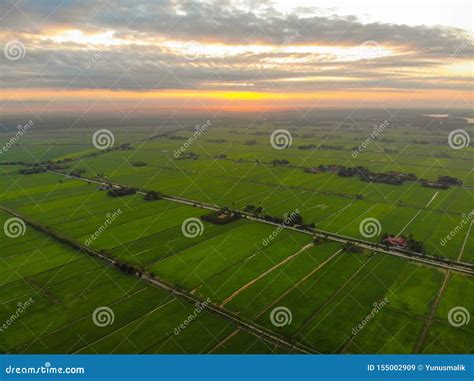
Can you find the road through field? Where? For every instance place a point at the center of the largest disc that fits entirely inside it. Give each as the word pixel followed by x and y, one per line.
pixel 297 284
pixel 248 284
pixel 466 268
pixel 244 324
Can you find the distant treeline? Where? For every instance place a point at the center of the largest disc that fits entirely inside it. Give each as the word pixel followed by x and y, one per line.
pixel 120 192
pixel 392 177
pixel 322 147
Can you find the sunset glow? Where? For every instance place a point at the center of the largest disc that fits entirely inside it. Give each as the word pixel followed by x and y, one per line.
pixel 294 58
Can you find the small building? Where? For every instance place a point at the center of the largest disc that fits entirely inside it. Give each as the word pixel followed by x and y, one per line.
pixel 398 242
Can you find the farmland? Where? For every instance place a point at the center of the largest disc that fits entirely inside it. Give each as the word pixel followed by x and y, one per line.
pixel 83 249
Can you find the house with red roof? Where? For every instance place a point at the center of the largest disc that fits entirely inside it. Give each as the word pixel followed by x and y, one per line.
pixel 399 242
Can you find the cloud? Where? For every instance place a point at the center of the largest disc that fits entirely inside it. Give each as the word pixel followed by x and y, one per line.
pixel 218 21
pixel 144 59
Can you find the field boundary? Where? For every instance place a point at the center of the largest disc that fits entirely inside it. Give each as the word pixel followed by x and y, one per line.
pixel 248 326
pixel 440 262
pixel 429 320
pixel 265 273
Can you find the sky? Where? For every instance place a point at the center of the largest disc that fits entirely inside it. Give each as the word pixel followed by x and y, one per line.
pixel 250 55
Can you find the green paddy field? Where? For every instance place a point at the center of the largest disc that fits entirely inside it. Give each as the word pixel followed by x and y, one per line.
pixel 326 292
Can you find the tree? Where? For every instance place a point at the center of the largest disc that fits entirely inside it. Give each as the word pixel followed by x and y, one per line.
pixel 349 247
pixel 152 196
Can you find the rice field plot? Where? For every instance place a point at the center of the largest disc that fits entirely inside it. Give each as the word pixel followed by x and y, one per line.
pixel 457 200
pixel 195 265
pixel 291 201
pixel 395 327
pixel 60 293
pixel 329 334
pixel 387 332
pixel 451 328
pixel 35 189
pixel 196 338
pixel 396 209
pixel 216 167
pixel 150 249
pixel 38 151
pixel 444 338
pixel 267 259
pixel 432 228
pixel 327 291
pixel 458 292
pixel 138 218
pixel 27 254
pixel 468 255
pixel 7 170
pixel 244 344
pixel 255 301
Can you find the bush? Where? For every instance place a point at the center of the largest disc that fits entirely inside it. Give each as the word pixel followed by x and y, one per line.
pixel 152 196
pixel 120 192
